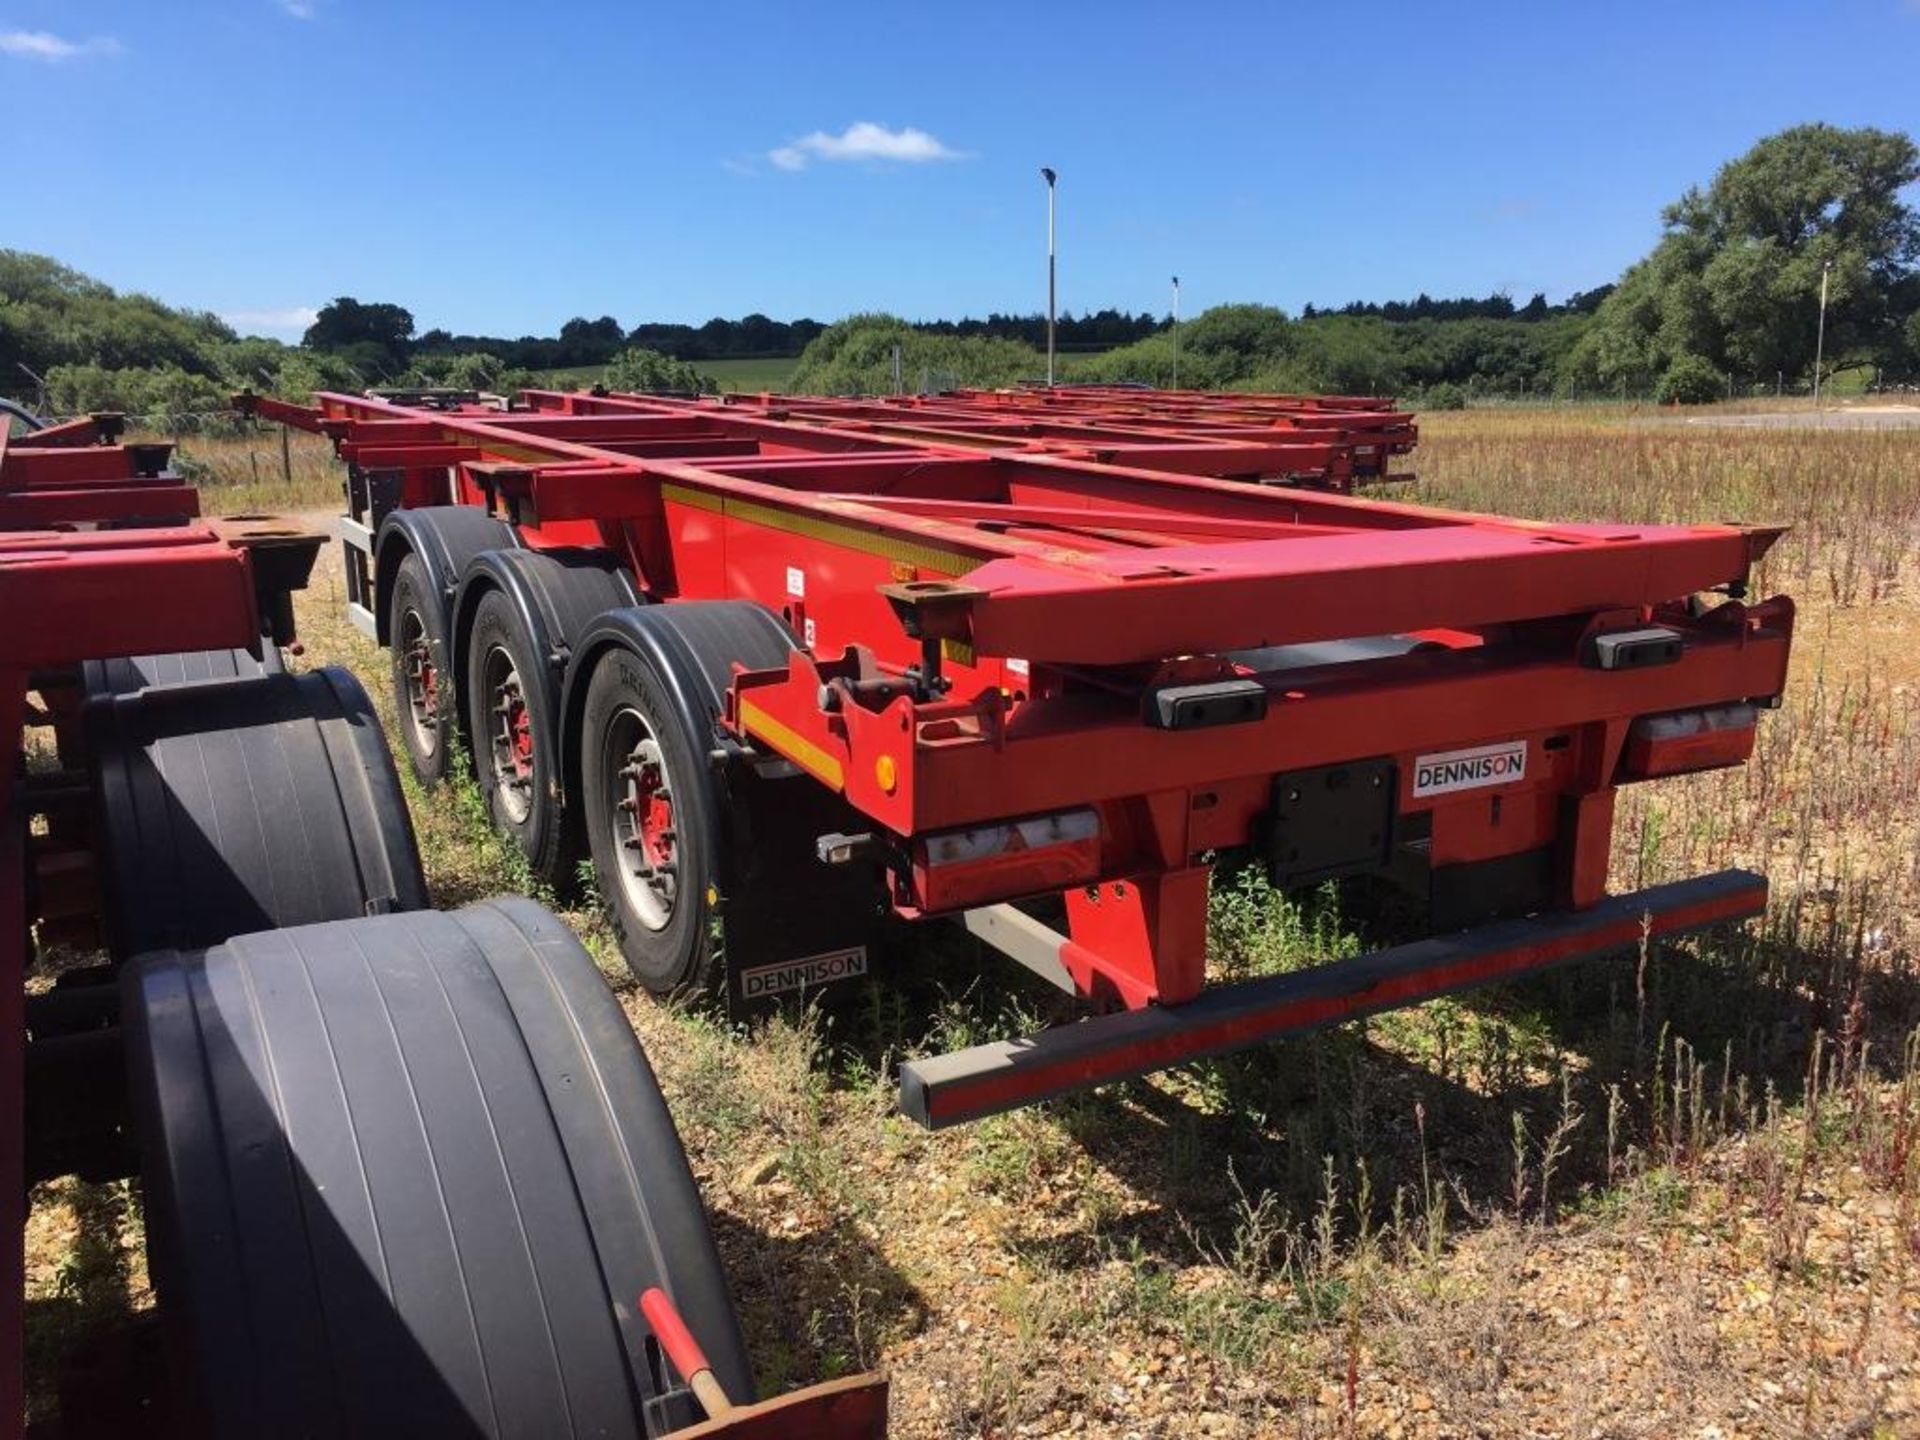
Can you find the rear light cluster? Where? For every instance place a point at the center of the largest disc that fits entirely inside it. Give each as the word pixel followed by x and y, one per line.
pixel 958 869
pixel 1689 740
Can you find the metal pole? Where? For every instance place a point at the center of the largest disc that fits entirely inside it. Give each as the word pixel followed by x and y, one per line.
pixel 1820 336
pixel 1050 177
pixel 1176 332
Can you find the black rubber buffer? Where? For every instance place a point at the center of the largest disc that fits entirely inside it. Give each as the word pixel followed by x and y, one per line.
pixel 103 679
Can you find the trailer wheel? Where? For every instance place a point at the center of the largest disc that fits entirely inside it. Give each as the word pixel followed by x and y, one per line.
pixel 646 690
pixel 513 752
pixel 240 805
pixel 408 1176
pixel 652 818
pixel 422 698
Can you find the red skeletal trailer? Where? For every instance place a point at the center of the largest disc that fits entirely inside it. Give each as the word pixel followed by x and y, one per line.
pixel 899 655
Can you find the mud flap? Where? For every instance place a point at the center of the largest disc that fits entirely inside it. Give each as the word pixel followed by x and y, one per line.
pixel 792 927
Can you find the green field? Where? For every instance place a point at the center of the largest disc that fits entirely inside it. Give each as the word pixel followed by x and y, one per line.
pixel 763 374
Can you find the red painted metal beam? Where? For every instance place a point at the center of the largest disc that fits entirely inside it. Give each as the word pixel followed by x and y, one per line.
pixel 40 509
pixel 122 592
pixel 1048 757
pixel 1322 457
pixel 987 1079
pixel 1112 607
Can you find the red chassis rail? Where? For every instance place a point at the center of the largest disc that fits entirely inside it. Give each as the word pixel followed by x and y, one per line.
pixel 1034 672
pixel 1293 444
pixel 75 473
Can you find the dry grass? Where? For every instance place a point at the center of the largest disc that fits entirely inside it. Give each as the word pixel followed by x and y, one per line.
pixel 252 472
pixel 1675 1195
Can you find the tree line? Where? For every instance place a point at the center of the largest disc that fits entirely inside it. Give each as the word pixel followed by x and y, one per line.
pixel 1498 306
pixel 380 337
pixel 383 335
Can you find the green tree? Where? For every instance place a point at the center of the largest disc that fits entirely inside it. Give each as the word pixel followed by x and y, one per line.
pixel 1690 380
pixel 1735 278
pixel 639 369
pixel 162 397
pixel 588 342
pixel 376 336
pixel 474 371
pixel 855 357
pixel 302 372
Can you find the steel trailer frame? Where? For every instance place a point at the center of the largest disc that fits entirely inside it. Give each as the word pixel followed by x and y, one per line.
pixel 101 557
pixel 1085 673
pixel 1271 440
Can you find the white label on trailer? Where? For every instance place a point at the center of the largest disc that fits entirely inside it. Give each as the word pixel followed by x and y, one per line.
pixel 808 627
pixel 1452 770
pixel 796 582
pixel 1016 667
pixel 803 974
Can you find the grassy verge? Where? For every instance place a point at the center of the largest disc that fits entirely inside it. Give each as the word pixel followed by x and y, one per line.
pixel 254 473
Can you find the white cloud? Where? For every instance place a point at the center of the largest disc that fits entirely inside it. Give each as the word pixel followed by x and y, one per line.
pixel 863 140
pixel 301 9
pixel 43 45
pixel 292 320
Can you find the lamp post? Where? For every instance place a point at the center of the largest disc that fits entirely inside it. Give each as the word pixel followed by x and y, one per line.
pixel 1051 177
pixel 1820 335
pixel 1176 332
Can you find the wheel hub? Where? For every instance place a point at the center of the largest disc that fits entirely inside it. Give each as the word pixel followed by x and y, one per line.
pixel 640 793
pixel 422 683
pixel 512 736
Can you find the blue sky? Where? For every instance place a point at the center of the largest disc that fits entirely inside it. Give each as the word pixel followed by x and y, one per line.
pixel 498 167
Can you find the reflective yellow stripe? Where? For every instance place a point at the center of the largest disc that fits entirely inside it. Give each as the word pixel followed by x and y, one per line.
pixel 832 532
pixel 790 743
pixel 523 453
pixel 698 499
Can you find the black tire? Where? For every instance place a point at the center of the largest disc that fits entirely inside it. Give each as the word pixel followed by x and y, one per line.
pixel 243 805
pixel 516 754
pixel 423 697
pixel 407 1176
pixel 664 920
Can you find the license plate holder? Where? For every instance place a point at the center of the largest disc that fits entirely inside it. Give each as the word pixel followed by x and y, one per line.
pixel 1331 821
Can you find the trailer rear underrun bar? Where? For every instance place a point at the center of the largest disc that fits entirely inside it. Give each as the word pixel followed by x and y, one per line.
pixel 1037 667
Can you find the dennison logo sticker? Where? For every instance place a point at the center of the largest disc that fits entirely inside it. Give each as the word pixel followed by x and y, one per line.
pixel 803 974
pixel 1452 770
